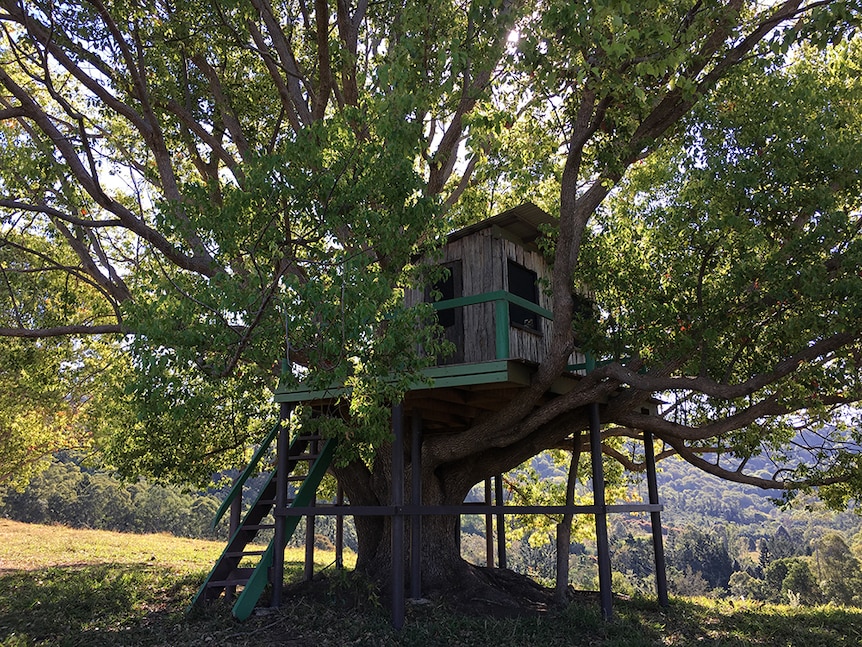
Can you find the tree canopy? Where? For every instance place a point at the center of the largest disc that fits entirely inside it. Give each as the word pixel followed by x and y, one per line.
pixel 213 186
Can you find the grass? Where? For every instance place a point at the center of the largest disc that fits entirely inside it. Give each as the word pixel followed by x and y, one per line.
pixel 71 587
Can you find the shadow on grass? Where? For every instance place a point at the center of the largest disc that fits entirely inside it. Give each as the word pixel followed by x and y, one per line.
pixel 748 624
pixel 111 605
pixel 77 605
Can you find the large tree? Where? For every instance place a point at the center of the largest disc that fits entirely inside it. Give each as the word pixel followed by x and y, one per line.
pixel 220 184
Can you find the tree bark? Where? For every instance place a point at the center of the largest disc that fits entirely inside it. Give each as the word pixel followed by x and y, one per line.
pixel 564 528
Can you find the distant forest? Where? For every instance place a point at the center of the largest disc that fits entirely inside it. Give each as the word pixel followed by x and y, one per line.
pixel 74 494
pixel 722 539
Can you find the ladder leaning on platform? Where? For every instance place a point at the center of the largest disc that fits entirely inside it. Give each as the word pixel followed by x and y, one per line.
pixel 230 569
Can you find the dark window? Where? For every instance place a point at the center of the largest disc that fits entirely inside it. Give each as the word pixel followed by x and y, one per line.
pixel 449 288
pixel 452 319
pixel 523 283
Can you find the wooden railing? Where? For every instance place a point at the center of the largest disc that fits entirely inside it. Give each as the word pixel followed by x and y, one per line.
pixel 501 300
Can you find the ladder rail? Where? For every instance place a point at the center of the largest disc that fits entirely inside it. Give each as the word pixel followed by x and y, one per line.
pixel 248 598
pixel 237 486
pixel 228 562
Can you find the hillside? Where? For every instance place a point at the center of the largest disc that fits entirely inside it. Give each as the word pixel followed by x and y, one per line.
pixel 109 589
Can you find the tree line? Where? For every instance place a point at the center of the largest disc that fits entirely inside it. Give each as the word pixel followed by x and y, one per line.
pixel 67 493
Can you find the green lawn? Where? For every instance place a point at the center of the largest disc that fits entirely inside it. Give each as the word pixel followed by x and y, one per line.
pixel 63 587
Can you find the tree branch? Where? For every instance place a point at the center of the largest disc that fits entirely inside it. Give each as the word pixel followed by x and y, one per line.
pixel 738 477
pixel 63 331
pixel 16 205
pixel 199 264
pixel 287 60
pixel 707 386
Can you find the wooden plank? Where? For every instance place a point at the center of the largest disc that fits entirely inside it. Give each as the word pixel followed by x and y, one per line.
pixel 442 376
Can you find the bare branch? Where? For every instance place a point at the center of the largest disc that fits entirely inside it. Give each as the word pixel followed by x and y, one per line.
pixel 655 383
pixel 16 205
pixel 693 458
pixel 348 31
pixel 324 64
pixel 227 112
pixel 12 113
pixel 287 60
pixel 116 288
pixel 63 331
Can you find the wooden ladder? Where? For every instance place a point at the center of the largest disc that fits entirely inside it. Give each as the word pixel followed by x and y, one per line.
pixel 232 569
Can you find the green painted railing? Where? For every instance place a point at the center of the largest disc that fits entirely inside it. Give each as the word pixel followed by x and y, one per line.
pixel 501 300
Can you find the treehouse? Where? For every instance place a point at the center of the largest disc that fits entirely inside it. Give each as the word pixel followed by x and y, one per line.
pixel 493 302
pixel 494 307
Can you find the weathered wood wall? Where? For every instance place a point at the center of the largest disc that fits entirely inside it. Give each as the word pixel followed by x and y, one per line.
pixel 484 257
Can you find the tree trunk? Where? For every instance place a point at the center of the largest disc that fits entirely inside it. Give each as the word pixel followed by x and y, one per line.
pixel 564 528
pixel 444 573
pixel 440 547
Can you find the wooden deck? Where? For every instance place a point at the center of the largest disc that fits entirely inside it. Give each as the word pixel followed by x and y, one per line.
pixel 454 397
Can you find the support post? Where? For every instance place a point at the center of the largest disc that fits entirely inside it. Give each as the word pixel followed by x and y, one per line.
pixel 602 546
pixel 489 527
pixel 416 500
pixel 655 522
pixel 282 445
pixel 339 530
pixel 310 525
pixel 398 518
pixel 233 525
pixel 501 522
pixel 501 328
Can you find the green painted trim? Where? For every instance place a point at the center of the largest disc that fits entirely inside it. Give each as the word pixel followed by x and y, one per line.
pixel 247 600
pixel 467 380
pixel 496 296
pixel 493 371
pixel 437 372
pixel 501 329
pixel 236 488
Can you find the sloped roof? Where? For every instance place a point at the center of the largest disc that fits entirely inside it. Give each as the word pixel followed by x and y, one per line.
pixel 521 222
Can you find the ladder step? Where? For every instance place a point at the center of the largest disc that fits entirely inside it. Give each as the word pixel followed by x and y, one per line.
pixel 219 584
pixel 238 576
pixel 245 553
pixel 258 526
pixel 305 457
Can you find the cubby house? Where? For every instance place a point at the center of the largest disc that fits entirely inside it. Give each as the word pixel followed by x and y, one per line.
pixel 496 282
pixel 494 308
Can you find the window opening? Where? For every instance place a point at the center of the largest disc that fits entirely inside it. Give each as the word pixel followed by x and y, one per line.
pixel 451 319
pixel 446 288
pixel 523 283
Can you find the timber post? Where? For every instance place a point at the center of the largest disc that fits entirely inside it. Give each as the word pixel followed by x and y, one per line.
pixel 501 521
pixel 282 469
pixel 601 514
pixel 416 501
pixel 655 522
pixel 398 517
